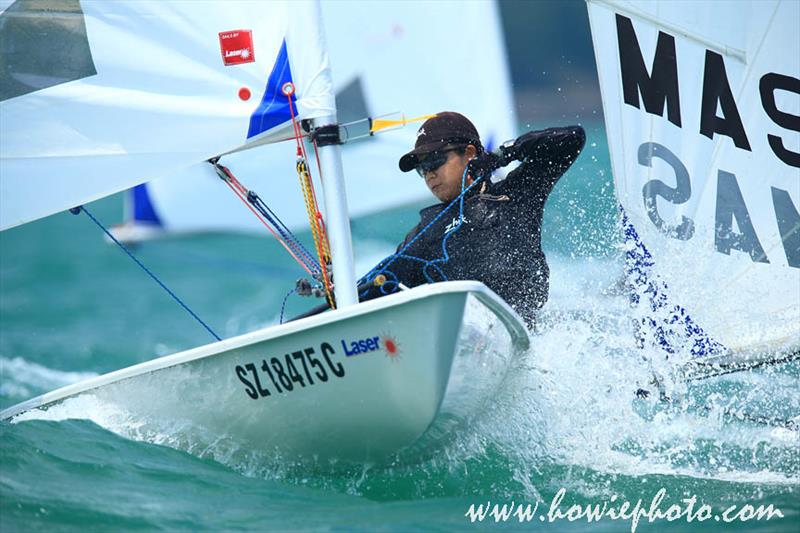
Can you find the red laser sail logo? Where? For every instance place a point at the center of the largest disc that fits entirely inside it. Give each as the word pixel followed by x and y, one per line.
pixel 237 47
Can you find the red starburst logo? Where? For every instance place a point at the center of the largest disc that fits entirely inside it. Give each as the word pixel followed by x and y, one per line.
pixel 391 346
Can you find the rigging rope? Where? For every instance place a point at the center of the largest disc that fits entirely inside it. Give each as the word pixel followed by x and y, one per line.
pixel 383 266
pixel 318 268
pixel 283 305
pixel 270 220
pixel 315 219
pixel 380 276
pixel 77 210
pixel 317 231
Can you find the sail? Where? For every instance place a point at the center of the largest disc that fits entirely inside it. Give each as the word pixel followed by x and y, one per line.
pixel 375 52
pixel 702 111
pixel 100 96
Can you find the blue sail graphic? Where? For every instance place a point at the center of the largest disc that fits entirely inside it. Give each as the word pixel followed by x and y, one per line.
pixel 143 210
pixel 274 107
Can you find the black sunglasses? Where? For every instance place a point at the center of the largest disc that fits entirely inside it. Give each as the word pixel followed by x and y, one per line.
pixel 434 160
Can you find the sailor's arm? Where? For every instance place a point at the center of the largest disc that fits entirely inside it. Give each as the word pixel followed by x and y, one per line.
pixel 551 148
pixel 545 156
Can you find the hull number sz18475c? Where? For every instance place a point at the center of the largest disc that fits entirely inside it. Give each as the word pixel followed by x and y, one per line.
pixel 301 367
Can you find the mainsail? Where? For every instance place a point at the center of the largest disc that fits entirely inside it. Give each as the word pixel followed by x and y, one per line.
pixel 374 50
pixel 702 111
pixel 100 96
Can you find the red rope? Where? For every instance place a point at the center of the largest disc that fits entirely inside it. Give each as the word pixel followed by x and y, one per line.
pixel 319 169
pixel 318 215
pixel 240 191
pixel 301 151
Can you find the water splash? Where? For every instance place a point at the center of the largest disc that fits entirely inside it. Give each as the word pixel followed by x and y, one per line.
pixel 22 379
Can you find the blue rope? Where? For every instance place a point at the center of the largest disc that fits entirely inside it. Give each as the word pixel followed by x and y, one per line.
pixel 301 252
pixel 445 256
pixel 387 262
pixel 283 305
pixel 77 210
pixel 286 233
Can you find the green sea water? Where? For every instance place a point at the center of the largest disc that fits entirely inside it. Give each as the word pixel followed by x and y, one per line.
pixel 73 307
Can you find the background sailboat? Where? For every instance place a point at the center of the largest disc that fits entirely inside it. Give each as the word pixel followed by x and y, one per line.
pixel 374 52
pixel 701 109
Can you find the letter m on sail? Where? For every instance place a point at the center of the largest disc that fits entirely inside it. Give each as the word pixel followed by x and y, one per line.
pixel 660 85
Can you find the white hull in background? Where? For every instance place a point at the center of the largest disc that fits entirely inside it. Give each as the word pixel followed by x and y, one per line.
pixel 360 407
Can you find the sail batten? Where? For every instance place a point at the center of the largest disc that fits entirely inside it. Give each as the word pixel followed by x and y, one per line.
pixel 634 10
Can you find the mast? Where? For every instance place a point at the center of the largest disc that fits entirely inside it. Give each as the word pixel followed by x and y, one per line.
pixel 337 219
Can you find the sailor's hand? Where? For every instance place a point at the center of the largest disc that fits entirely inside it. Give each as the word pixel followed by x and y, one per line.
pixel 484 164
pixel 529 137
pixel 553 143
pixel 522 146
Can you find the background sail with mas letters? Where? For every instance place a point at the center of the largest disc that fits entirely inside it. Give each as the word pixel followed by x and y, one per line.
pixel 99 96
pixel 702 110
pixel 374 49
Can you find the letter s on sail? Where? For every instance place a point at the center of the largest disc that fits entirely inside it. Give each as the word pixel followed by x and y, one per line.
pixel 678 195
pixel 767 86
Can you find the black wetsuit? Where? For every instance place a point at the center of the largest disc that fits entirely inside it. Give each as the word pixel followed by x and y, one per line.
pixel 499 240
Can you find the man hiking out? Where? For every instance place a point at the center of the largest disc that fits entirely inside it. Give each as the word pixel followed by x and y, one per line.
pixel 494 235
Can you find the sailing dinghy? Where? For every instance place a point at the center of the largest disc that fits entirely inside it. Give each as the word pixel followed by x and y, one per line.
pixel 702 111
pixel 119 93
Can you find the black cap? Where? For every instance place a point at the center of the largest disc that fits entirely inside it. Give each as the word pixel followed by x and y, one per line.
pixel 444 129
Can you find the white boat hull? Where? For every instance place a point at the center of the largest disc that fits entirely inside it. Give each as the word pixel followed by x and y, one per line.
pixel 369 380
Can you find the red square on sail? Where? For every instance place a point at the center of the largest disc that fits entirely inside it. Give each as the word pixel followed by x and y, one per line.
pixel 237 47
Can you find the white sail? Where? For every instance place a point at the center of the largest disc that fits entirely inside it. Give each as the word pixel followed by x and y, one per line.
pixel 117 93
pixel 374 49
pixel 702 111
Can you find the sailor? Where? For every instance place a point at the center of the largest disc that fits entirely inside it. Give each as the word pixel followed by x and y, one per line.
pixel 496 237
